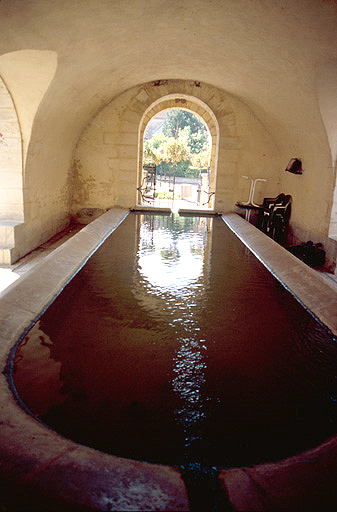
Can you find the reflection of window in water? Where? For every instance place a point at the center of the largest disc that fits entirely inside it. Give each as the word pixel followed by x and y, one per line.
pixel 172 257
pixel 169 255
pixel 172 251
pixel 188 384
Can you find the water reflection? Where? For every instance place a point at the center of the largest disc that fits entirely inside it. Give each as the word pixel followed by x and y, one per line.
pixel 40 375
pixel 169 256
pixel 188 382
pixel 171 259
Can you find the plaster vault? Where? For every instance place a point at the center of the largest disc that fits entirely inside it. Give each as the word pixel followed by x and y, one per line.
pixel 27 75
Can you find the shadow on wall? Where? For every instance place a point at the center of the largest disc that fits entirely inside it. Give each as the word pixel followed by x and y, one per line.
pixel 28 75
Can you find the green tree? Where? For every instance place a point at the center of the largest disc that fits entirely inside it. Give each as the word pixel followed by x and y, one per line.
pixel 177 119
pixel 198 141
pixel 200 160
pixel 154 150
pixel 175 150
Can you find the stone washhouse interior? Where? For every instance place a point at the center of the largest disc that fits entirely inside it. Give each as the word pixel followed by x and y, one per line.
pixel 79 83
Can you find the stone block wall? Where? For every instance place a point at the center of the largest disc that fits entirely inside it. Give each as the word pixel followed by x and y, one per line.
pixel 11 198
pixel 107 160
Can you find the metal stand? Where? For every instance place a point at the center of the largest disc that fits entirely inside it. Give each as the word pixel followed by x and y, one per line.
pixel 250 205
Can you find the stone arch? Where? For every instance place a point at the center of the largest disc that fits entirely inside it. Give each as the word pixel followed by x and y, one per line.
pixel 108 156
pixel 11 197
pixel 25 77
pixel 216 107
pixel 186 102
pixel 11 179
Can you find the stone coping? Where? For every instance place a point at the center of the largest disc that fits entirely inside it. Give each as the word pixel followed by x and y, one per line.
pixel 37 462
pixel 307 285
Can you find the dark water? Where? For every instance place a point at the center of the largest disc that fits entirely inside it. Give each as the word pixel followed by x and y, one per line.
pixel 175 344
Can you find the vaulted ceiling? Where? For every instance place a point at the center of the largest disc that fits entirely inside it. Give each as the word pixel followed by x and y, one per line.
pixel 269 54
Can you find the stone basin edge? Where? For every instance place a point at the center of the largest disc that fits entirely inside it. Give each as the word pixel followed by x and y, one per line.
pixel 304 482
pixel 35 459
pixel 307 285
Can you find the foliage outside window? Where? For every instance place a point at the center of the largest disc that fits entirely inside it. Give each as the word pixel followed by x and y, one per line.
pixel 182 149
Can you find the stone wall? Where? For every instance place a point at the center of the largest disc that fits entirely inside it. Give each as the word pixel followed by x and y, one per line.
pixel 107 157
pixel 11 198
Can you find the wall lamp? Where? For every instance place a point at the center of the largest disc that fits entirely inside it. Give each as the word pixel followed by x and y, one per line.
pixel 295 166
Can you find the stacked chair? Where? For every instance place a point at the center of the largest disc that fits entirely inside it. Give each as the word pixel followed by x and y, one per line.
pixel 274 215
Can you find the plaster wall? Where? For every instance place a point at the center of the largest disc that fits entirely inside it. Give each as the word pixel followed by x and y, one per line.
pixel 327 94
pixel 312 191
pixel 47 193
pixel 106 157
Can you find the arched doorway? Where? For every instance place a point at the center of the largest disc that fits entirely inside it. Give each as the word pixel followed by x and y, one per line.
pixel 176 161
pixel 177 193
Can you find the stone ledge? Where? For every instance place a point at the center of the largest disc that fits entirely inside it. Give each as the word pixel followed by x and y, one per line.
pixel 8 233
pixel 36 289
pixel 306 284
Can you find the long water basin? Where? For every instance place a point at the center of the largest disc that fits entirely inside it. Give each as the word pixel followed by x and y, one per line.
pixel 174 344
